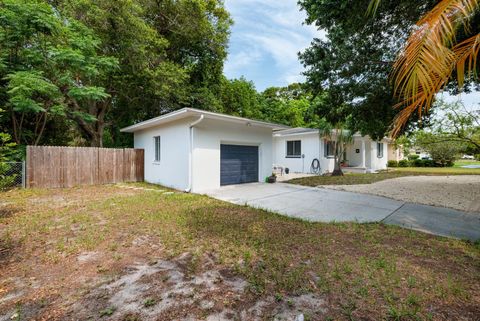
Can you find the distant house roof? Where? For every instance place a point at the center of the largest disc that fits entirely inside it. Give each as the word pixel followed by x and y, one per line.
pixel 189 112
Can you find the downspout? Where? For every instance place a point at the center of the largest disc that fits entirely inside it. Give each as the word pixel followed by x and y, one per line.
pixel 190 154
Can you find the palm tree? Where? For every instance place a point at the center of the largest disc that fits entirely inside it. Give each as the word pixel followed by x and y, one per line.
pixel 431 55
pixel 341 138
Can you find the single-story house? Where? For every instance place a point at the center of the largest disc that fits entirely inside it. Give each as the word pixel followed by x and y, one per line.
pixel 299 149
pixel 395 152
pixel 196 150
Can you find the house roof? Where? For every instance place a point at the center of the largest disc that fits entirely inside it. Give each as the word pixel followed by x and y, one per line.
pixel 192 112
pixel 308 131
pixel 295 131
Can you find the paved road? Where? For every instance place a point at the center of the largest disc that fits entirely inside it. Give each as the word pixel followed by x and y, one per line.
pixel 324 205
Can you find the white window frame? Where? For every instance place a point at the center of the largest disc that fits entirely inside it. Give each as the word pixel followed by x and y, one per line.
pixel 157 150
pixel 294 155
pixel 379 150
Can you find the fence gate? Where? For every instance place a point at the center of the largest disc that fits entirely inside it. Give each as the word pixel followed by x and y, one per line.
pixel 12 174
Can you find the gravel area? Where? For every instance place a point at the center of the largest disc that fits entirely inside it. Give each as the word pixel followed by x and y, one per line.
pixel 460 192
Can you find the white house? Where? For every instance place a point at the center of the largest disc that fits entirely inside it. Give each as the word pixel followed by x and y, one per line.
pixel 196 150
pixel 297 148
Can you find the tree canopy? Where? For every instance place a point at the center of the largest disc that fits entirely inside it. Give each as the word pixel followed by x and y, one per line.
pixel 352 65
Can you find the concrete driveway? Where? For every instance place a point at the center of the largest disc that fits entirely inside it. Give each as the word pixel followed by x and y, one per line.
pixel 324 205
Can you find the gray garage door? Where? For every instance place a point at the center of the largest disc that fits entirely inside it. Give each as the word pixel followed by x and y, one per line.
pixel 238 164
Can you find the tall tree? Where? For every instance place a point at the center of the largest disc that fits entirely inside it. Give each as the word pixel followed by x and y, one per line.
pixel 197 32
pixel 50 68
pixel 353 62
pixel 292 105
pixel 239 97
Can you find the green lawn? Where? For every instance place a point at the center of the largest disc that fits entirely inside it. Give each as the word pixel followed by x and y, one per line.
pixel 464 162
pixel 354 178
pixel 362 271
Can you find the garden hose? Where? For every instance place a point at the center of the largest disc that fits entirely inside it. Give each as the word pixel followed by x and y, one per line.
pixel 315 167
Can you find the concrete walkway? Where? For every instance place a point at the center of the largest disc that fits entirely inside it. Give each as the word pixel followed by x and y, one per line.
pixel 324 205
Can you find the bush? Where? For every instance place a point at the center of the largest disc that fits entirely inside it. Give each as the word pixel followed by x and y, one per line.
pixel 428 163
pixel 392 163
pixel 413 157
pixel 418 162
pixel 403 163
pixel 477 157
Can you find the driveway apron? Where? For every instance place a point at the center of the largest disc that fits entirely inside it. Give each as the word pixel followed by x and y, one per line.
pixel 324 205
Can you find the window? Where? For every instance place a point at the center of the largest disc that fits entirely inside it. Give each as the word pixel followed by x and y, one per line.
pixel 379 150
pixel 329 150
pixel 157 148
pixel 294 148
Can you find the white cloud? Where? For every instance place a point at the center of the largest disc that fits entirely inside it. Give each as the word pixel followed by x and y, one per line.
pixel 266 39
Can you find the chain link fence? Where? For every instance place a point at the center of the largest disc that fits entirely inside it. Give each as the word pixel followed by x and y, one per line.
pixel 12 174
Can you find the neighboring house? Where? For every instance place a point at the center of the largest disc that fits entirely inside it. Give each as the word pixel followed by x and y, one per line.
pixel 196 150
pixel 297 148
pixel 395 152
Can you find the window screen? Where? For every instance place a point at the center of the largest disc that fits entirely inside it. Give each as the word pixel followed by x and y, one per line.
pixel 379 150
pixel 329 149
pixel 294 148
pixel 157 148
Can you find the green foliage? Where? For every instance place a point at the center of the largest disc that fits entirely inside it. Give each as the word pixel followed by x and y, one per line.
pixel 392 163
pixel 293 105
pixel 403 163
pixel 443 152
pixel 52 62
pixel 454 123
pixel 413 157
pixel 354 61
pixel 239 97
pixel 86 68
pixel 341 137
pixel 6 151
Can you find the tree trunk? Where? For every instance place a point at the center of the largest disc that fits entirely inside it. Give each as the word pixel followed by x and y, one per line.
pixel 337 169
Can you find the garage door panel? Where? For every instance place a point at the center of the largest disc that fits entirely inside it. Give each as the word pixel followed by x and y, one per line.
pixel 238 164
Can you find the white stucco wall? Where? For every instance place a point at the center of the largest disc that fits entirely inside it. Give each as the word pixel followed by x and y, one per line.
pixel 172 169
pixel 312 147
pixel 378 163
pixel 210 134
pixel 355 159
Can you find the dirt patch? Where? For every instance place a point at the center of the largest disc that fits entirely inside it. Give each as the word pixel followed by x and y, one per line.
pixel 7 210
pixel 188 288
pixel 460 192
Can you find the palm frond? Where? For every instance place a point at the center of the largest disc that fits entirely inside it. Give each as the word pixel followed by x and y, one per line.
pixel 467 54
pixel 430 56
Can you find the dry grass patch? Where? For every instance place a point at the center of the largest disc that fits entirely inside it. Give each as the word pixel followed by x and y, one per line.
pixel 67 248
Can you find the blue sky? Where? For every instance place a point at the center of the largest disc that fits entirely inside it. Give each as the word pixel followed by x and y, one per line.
pixel 266 38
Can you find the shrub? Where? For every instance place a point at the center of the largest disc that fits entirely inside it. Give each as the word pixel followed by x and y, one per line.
pixel 428 163
pixel 413 157
pixel 392 163
pixel 418 162
pixel 477 157
pixel 403 163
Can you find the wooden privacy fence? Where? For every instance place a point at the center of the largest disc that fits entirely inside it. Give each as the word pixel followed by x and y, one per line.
pixel 58 166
